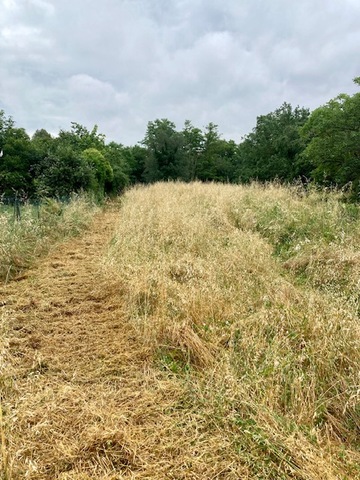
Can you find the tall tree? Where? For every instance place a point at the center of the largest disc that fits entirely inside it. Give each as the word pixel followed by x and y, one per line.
pixel 102 172
pixel 42 142
pixel 193 148
pixel 135 161
pixel 79 138
pixel 164 159
pixel 206 167
pixel 333 136
pixel 63 172
pixel 226 162
pixel 115 154
pixel 272 149
pixel 6 124
pixel 16 159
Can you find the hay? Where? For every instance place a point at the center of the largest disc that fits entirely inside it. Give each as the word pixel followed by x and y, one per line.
pixel 168 343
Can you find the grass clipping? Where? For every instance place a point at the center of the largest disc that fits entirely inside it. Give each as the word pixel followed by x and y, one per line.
pixel 23 240
pixel 264 344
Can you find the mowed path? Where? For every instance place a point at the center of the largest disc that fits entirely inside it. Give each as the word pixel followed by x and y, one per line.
pixel 77 402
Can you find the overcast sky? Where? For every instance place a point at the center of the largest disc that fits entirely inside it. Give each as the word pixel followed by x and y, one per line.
pixel 122 63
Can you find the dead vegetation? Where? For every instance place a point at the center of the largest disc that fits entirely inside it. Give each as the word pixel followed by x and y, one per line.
pixel 179 338
pixel 23 240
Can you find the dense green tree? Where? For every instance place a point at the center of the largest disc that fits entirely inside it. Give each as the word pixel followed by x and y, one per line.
pixel 164 159
pixel 272 149
pixel 16 159
pixel 6 124
pixel 42 142
pixel 193 146
pixel 217 158
pixel 285 144
pixel 333 136
pixel 79 138
pixel 135 160
pixel 63 172
pixel 115 154
pixel 71 162
pixel 226 162
pixel 206 166
pixel 101 171
pixel 43 145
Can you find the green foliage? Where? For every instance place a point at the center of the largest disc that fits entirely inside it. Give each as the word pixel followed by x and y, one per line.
pixel 217 156
pixel 135 158
pixel 101 170
pixel 174 361
pixel 189 154
pixel 63 172
pixel 42 142
pixel 272 149
pixel 286 144
pixel 193 148
pixel 164 151
pixel 118 162
pixel 333 136
pixel 74 161
pixel 15 175
pixel 80 138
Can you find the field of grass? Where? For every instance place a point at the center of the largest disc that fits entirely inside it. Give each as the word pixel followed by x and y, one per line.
pixel 248 299
pixel 195 331
pixel 23 240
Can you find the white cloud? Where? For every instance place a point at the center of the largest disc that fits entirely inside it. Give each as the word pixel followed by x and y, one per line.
pixel 23 38
pixel 94 96
pixel 46 7
pixel 10 5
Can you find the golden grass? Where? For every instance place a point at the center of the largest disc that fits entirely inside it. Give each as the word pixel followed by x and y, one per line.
pixel 23 241
pixel 179 339
pixel 203 273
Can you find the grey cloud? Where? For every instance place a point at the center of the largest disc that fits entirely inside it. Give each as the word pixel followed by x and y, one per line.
pixel 121 63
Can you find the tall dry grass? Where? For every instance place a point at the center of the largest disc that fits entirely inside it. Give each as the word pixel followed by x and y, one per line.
pixel 246 298
pixel 24 240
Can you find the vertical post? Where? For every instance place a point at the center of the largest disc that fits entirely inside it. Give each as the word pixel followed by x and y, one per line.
pixel 17 212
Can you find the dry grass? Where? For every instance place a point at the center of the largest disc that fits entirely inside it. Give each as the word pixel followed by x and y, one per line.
pixel 204 276
pixel 178 339
pixel 23 241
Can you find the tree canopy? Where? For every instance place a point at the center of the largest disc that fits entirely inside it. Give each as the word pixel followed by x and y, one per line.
pixel 286 144
pixel 272 149
pixel 332 134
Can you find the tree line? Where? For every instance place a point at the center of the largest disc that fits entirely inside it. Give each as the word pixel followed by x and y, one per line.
pixel 288 144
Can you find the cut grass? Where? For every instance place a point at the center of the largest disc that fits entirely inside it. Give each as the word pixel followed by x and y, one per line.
pixel 24 240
